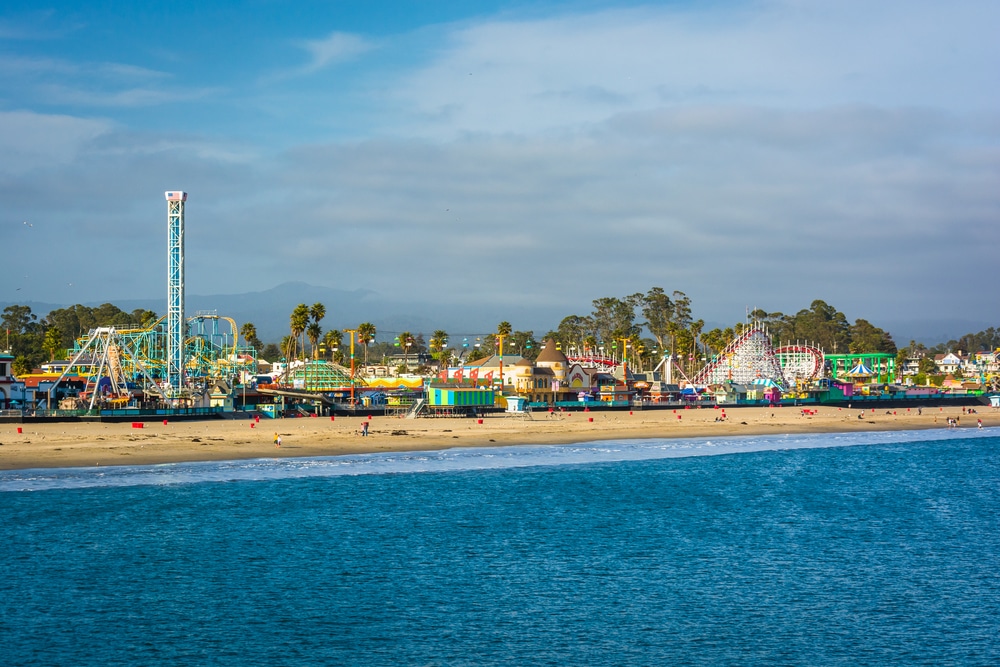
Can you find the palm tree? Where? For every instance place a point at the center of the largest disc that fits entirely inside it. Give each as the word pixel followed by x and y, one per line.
pixel 438 343
pixel 249 333
pixel 503 329
pixel 332 340
pixel 313 331
pixel 405 341
pixel 317 312
pixel 366 334
pixel 298 322
pixel 53 342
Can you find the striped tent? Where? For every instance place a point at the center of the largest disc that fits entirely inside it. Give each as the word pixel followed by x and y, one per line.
pixel 860 371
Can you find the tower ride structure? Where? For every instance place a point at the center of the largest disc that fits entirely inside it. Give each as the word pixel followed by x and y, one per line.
pixel 175 290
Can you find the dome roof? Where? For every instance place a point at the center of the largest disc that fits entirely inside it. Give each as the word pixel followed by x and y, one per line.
pixel 550 354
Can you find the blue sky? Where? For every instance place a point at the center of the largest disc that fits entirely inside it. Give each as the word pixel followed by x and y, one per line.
pixel 749 153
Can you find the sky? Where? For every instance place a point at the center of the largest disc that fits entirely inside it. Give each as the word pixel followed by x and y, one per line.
pixel 481 154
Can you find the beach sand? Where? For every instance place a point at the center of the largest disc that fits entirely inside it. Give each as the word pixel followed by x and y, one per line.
pixel 53 445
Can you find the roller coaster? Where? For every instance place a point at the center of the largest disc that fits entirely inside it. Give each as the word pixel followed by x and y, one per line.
pixel 751 359
pixel 118 364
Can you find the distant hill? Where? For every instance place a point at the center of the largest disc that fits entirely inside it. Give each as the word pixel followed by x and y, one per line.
pixel 269 310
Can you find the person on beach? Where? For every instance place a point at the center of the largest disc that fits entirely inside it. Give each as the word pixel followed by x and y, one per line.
pixel 364 429
pixel 277 440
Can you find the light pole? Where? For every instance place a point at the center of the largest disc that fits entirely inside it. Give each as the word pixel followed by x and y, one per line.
pixel 352 332
pixel 500 338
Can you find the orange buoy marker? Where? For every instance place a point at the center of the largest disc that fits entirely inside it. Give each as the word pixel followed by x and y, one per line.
pixel 18 429
pixel 164 422
pixel 331 417
pixel 480 421
pixel 590 419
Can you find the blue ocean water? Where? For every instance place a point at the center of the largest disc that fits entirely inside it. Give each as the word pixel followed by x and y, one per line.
pixel 799 550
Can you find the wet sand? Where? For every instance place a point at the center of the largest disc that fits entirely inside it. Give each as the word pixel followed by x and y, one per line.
pixel 54 445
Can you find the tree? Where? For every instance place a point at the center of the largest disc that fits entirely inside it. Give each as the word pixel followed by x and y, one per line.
pixel 20 365
pixel 714 340
pixel 19 319
pixel 614 318
pixel 298 321
pixel 53 343
pixel 405 342
pixel 572 330
pixel 504 330
pixel 866 337
pixel 249 333
pixel 313 332
pixel 317 312
pixel 366 334
pixel 824 326
pixel 668 319
pixel 524 343
pixel 439 347
pixel 333 341
pixel 658 310
pixel 25 333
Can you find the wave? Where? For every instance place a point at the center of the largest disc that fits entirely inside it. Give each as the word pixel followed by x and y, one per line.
pixel 452 460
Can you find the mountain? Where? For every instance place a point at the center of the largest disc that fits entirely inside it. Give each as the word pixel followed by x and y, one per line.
pixel 270 309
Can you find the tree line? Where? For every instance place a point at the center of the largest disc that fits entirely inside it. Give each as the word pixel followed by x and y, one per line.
pixel 643 327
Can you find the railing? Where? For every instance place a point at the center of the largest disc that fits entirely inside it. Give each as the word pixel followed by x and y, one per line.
pixel 415 408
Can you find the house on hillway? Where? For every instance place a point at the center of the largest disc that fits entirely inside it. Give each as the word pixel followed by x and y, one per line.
pixel 950 363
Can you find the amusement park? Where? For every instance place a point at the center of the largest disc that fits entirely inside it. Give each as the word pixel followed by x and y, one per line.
pixel 195 366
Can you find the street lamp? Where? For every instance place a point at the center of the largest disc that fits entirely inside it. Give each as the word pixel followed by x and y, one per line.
pixel 352 332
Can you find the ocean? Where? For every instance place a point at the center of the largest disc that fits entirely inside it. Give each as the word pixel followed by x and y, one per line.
pixel 827 549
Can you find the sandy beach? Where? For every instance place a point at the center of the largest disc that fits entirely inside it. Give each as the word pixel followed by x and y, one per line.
pixel 90 444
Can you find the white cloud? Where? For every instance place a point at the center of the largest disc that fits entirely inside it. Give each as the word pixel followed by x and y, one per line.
pixel 765 156
pixel 30 141
pixel 57 81
pixel 567 71
pixel 335 49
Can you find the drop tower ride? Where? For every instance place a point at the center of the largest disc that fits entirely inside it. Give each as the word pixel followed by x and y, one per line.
pixel 175 291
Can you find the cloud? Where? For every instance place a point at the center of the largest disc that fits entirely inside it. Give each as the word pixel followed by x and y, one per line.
pixel 56 81
pixel 745 155
pixel 335 49
pixel 534 75
pixel 36 25
pixel 29 141
pixel 59 94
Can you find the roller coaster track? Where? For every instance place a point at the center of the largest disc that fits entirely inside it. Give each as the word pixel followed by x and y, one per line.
pixel 800 362
pixel 748 358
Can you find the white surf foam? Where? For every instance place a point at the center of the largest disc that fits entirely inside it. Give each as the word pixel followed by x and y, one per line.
pixel 452 460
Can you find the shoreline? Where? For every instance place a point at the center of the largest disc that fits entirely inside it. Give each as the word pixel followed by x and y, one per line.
pixel 67 445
